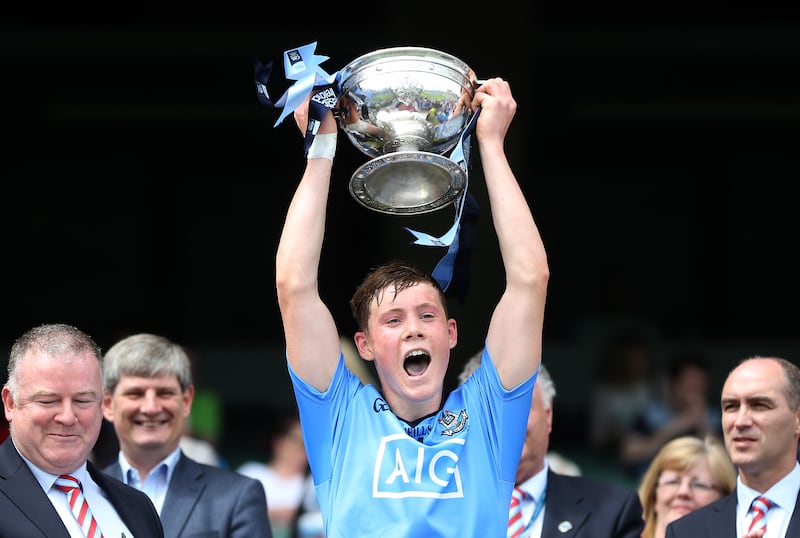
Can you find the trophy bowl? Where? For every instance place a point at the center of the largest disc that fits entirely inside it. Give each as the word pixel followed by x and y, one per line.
pixel 406 107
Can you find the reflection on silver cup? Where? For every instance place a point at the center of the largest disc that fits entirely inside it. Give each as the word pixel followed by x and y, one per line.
pixel 405 107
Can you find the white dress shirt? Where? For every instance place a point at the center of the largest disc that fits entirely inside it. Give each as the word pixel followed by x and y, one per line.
pixel 104 512
pixel 784 496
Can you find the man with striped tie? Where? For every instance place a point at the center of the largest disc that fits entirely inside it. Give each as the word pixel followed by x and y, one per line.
pixel 48 488
pixel 761 424
pixel 546 503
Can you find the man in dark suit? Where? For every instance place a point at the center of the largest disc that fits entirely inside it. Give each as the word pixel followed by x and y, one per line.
pixel 52 400
pixel 559 505
pixel 761 426
pixel 148 399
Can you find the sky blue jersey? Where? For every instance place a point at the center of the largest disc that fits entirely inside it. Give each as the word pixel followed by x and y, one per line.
pixel 449 475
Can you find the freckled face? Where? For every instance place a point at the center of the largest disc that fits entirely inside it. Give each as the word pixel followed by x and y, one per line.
pixel 56 417
pixel 409 337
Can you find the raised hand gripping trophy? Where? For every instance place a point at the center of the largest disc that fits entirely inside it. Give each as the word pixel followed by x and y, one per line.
pixel 404 107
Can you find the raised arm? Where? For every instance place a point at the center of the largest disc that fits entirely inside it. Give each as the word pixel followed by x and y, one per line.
pixel 514 339
pixel 312 339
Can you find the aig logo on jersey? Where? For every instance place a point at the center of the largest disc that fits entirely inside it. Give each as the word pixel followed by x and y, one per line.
pixel 406 468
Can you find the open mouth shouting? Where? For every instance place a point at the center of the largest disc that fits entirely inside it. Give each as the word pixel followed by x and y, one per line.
pixel 416 363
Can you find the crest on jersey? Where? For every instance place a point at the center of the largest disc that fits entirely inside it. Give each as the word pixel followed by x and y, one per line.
pixel 453 423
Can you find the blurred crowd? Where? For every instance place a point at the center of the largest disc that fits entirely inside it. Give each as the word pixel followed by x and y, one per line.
pixel 651 424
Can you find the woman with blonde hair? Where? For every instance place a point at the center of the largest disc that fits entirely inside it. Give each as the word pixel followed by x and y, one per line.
pixel 687 473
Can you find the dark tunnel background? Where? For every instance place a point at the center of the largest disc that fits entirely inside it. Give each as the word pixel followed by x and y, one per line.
pixel 144 186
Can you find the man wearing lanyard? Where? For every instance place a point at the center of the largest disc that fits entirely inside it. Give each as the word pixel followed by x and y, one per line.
pixel 558 505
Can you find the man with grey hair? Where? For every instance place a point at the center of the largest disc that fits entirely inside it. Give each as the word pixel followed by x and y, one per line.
pixel 148 397
pixel 48 486
pixel 548 503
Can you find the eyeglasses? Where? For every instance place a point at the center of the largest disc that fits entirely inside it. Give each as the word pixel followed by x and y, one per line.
pixel 672 484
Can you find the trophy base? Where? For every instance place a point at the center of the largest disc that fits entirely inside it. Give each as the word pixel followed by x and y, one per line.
pixel 407 182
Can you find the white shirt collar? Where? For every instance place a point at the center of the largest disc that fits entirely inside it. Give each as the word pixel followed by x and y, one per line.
pixel 169 462
pixel 47 479
pixel 783 493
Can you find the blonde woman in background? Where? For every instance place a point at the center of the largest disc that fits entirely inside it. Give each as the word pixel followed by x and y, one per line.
pixel 687 473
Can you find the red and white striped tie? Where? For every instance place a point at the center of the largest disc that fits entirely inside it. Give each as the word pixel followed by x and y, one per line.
pixel 515 523
pixel 80 508
pixel 759 509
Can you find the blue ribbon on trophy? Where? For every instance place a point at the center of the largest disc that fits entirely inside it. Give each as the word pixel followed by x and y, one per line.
pixel 302 65
pixel 453 270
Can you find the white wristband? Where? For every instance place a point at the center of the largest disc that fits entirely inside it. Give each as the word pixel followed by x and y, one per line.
pixel 323 147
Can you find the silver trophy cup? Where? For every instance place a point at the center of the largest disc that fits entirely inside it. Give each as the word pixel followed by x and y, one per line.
pixel 406 107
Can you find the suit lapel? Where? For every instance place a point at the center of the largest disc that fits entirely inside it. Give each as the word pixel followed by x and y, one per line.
pixel 18 483
pixel 114 470
pixel 566 509
pixel 183 492
pixel 114 492
pixel 721 518
pixel 794 524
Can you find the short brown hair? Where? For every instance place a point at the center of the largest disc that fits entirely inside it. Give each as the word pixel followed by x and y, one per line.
pixel 395 273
